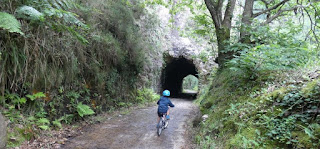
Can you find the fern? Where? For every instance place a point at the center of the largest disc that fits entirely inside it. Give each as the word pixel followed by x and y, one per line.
pixel 36 96
pixel 39 95
pixel 65 20
pixel 78 35
pixel 29 13
pixel 68 17
pixel 44 127
pixel 10 23
pixel 43 121
pixel 56 14
pixel 57 123
pixel 63 4
pixel 84 110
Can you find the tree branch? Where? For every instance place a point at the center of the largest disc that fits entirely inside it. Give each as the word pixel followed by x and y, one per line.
pixel 219 9
pixel 246 20
pixel 215 17
pixel 311 27
pixel 266 2
pixel 271 8
pixel 270 19
pixel 279 13
pixel 229 13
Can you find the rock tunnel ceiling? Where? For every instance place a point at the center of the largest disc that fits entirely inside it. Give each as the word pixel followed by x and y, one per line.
pixel 174 72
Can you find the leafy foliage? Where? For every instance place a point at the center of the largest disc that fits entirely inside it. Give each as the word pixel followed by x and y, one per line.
pixel 146 95
pixel 57 123
pixel 99 71
pixel 48 58
pixel 43 123
pixel 84 110
pixel 36 96
pixel 295 113
pixel 262 58
pixel 10 23
pixel 27 12
pixel 257 102
pixel 259 116
pixel 286 51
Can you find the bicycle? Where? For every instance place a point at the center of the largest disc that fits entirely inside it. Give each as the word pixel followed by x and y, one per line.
pixel 163 123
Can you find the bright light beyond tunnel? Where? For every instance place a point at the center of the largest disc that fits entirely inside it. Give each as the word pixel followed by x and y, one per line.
pixel 190 84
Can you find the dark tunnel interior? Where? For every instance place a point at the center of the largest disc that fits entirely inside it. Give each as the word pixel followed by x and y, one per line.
pixel 174 72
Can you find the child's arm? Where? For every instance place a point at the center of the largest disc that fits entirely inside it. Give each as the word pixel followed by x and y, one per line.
pixel 170 104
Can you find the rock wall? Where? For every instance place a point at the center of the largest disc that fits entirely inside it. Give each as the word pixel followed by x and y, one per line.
pixel 189 47
pixel 3 132
pixel 170 44
pixel 153 25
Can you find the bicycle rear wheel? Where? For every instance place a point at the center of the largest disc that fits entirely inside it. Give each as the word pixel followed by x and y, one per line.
pixel 159 129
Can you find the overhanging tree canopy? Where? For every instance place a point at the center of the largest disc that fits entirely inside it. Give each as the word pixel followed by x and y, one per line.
pixel 222 18
pixel 223 14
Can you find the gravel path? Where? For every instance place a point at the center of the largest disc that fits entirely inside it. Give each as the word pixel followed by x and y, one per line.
pixel 137 130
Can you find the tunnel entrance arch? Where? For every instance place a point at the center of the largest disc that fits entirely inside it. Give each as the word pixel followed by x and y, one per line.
pixel 174 72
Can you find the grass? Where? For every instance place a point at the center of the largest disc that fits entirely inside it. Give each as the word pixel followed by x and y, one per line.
pixel 246 114
pixel 50 57
pixel 99 63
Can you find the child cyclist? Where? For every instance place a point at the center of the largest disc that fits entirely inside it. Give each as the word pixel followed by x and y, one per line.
pixel 163 103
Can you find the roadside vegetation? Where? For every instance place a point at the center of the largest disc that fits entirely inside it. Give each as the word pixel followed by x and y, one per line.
pixel 268 96
pixel 266 91
pixel 270 108
pixel 63 60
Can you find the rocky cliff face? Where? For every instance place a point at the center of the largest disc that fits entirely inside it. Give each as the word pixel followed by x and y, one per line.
pixel 170 44
pixel 188 47
pixel 153 25
pixel 3 132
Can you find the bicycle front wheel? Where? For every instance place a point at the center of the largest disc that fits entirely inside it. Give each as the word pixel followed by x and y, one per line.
pixel 159 129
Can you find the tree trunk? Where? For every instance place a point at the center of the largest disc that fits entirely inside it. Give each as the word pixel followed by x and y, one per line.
pixel 246 21
pixel 222 26
pixel 223 36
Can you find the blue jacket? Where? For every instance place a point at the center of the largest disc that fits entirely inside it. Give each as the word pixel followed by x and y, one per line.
pixel 163 103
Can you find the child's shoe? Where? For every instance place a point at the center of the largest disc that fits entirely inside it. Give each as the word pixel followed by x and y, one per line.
pixel 168 117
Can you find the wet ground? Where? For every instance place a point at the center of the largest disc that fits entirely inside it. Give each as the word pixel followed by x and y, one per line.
pixel 137 130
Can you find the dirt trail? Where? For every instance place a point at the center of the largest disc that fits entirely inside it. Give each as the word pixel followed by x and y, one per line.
pixel 137 130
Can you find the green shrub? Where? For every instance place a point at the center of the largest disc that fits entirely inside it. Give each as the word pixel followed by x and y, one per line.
pixel 84 110
pixel 146 95
pixel 261 118
pixel 253 63
pixel 27 12
pixel 271 50
pixel 87 56
pixel 10 23
pixel 107 56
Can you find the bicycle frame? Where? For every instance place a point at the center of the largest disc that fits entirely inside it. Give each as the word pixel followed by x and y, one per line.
pixel 163 123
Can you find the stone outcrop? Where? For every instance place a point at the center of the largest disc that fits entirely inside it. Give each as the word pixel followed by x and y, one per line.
pixel 3 132
pixel 190 48
pixel 168 38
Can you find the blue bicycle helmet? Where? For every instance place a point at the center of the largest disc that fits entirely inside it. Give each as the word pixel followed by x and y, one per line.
pixel 166 93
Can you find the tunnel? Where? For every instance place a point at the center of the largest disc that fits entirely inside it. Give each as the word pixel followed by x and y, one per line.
pixel 174 72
